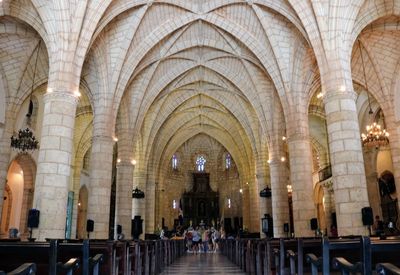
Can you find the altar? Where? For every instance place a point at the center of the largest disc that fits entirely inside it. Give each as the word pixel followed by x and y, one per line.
pixel 201 203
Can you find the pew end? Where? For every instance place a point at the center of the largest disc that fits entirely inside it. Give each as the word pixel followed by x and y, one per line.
pixel 316 263
pixel 25 269
pixel 345 267
pixel 387 269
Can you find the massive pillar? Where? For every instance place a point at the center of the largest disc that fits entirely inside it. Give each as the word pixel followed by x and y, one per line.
pixel 279 193
pixel 100 184
pixel 394 142
pixel 302 185
pixel 125 171
pixel 345 150
pixel 139 205
pixel 150 206
pixel 54 164
pixel 262 181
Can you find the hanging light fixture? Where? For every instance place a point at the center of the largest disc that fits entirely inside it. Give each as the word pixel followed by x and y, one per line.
pixel 25 141
pixel 376 135
pixel 137 193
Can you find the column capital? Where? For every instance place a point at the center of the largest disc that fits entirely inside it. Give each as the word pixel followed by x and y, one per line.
pixel 338 94
pixel 103 138
pixel 61 96
pixel 125 163
pixel 298 137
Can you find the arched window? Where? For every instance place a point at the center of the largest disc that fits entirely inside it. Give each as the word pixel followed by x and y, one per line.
pixel 200 163
pixel 228 161
pixel 174 204
pixel 174 162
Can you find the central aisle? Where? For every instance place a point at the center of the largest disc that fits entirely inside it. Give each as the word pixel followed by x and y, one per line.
pixel 202 264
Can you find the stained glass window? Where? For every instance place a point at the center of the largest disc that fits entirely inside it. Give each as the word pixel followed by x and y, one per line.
pixel 174 162
pixel 200 163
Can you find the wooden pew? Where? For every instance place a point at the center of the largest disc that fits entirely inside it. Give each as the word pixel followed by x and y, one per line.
pixel 351 248
pixel 387 269
pixel 90 261
pixel 43 254
pixel 295 253
pixel 373 251
pixel 25 269
pixel 39 253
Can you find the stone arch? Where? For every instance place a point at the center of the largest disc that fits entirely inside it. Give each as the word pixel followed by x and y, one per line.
pixel 28 166
pixel 6 210
pixel 369 15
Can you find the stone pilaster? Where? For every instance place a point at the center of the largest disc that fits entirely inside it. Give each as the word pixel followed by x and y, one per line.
pixel 348 172
pixel 302 184
pixel 54 164
pixel 100 185
pixel 280 203
pixel 124 196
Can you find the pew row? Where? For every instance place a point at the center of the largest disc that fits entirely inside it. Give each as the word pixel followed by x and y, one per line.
pixel 25 269
pixel 92 256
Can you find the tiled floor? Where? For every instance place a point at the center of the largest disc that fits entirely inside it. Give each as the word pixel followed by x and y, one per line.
pixel 202 264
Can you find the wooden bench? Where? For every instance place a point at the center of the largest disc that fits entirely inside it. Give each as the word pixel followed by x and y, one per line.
pixel 373 252
pixel 25 269
pixel 43 254
pixel 387 269
pixel 348 247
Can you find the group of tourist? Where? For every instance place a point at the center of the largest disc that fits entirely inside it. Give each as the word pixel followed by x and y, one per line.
pixel 203 239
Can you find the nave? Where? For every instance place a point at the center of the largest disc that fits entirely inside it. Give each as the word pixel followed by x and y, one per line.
pixel 202 263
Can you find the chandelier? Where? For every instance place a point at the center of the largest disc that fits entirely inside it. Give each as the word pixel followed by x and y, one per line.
pixel 25 140
pixel 266 192
pixel 376 134
pixel 137 193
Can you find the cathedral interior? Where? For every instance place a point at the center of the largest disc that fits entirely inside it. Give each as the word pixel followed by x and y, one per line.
pixel 201 105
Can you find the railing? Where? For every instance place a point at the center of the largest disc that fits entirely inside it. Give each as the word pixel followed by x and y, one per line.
pixel 325 173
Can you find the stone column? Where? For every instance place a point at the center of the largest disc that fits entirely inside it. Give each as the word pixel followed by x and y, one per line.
pixel 394 145
pixel 370 159
pixel 254 197
pixel 26 205
pixel 100 185
pixel 125 171
pixel 280 203
pixel 76 189
pixel 348 172
pixel 265 206
pixel 245 203
pixel 139 205
pixel 328 203
pixel 54 164
pixel 150 206
pixel 302 185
